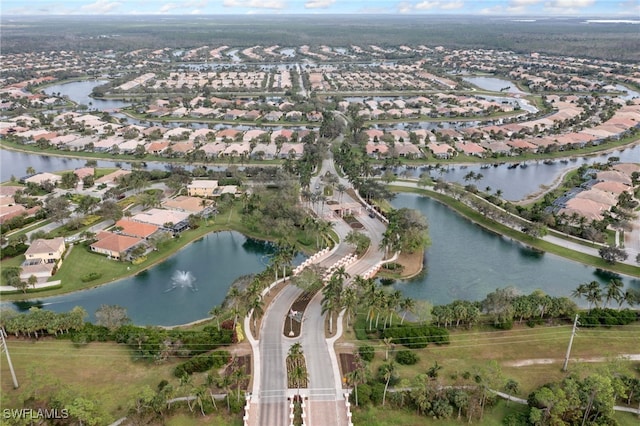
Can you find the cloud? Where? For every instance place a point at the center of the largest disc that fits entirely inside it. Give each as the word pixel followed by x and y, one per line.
pixel 523 3
pixel 404 7
pixel 430 5
pixel 258 4
pixel 427 5
pixel 629 7
pixel 452 5
pixel 570 4
pixel 100 7
pixel 318 4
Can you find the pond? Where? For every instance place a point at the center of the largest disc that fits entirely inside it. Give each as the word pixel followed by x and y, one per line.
pixel 494 84
pixel 181 289
pixel 466 262
pixel 79 91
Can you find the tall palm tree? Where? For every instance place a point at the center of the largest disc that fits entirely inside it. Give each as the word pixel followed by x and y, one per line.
pixel 387 370
pixel 256 306
pixel 594 295
pixel 331 300
pixel 407 305
pixel 613 290
pixel 216 312
pixel 349 302
pixel 358 374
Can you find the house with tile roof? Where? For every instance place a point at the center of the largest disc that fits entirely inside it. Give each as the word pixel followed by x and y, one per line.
pixel 46 250
pixel 113 245
pixel 202 188
pixel 131 228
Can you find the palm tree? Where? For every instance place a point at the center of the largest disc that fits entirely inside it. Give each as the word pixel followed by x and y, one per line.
pixel 613 290
pixel 330 301
pixel 594 295
pixel 387 370
pixel 216 312
pixel 407 305
pixel 341 188
pixel 349 302
pixel 358 374
pixel 298 375
pixel 387 345
pixel 257 308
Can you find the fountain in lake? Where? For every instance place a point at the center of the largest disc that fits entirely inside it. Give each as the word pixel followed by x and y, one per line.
pixel 183 279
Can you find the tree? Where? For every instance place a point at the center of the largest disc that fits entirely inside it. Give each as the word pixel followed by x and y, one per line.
pixel 32 281
pixel 407 305
pixel 86 411
pixel 612 255
pixel 58 208
pixel 111 316
pixel 499 305
pixel 613 290
pixel 69 180
pixel 216 312
pixel 109 209
pixel 387 370
pixel 11 275
pixel 357 375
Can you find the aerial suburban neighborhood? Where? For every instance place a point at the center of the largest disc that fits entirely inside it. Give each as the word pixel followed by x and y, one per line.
pixel 331 229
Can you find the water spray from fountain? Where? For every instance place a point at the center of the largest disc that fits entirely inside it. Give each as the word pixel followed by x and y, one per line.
pixel 183 279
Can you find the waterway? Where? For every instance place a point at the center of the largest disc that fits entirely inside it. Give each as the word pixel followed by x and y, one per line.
pixel 467 262
pixel 158 296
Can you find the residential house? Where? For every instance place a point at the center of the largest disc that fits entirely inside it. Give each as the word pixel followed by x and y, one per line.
pixel 40 178
pixel 46 251
pixel 131 228
pixel 187 204
pixel 114 245
pixel 202 188
pixel 42 258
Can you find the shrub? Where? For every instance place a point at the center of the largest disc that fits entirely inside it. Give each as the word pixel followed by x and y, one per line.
pixel 417 337
pixel 366 352
pixel 202 362
pixel 406 357
pixel 91 276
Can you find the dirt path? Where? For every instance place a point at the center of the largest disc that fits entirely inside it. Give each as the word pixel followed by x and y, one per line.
pixel 538 361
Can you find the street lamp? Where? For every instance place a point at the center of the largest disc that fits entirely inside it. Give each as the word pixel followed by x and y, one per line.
pixel 290 324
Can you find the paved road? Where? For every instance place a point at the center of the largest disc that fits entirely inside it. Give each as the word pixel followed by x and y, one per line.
pixel 269 404
pixel 270 382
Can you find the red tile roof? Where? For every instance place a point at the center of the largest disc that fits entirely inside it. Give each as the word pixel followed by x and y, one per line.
pixel 136 229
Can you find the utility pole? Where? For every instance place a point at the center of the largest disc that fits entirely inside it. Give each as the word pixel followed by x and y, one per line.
pixel 5 349
pixel 573 333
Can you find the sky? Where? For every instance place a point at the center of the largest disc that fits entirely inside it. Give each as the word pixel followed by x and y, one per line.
pixel 592 8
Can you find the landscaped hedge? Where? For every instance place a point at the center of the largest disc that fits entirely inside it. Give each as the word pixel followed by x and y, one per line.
pixel 416 337
pixel 12 251
pixel 608 317
pixel 202 362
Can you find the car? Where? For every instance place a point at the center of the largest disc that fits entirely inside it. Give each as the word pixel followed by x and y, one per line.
pixel 372 214
pixel 317 186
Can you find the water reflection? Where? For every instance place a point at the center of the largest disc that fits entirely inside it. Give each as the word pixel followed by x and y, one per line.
pixel 467 262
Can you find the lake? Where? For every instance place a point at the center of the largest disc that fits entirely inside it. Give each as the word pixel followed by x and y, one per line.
pixel 181 289
pixel 466 261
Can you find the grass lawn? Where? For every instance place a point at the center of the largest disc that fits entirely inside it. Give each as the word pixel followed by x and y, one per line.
pixel 476 348
pixel 197 419
pixel 100 371
pixel 378 416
